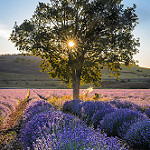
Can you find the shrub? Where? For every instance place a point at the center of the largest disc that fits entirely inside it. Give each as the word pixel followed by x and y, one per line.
pixel 97 117
pixel 49 124
pixel 138 136
pixel 74 134
pixel 125 105
pixel 30 132
pixel 35 108
pixel 87 109
pixel 56 130
pixel 118 122
pixel 147 112
pixel 69 104
pixel 76 109
pixel 78 137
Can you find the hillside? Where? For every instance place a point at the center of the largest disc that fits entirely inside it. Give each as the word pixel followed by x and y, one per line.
pixel 18 71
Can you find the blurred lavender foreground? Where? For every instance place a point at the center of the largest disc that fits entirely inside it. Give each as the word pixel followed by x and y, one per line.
pixel 53 129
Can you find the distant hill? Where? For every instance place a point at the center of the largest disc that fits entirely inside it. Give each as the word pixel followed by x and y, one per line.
pixel 18 71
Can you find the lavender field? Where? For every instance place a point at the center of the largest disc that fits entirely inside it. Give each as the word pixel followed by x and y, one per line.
pixel 49 119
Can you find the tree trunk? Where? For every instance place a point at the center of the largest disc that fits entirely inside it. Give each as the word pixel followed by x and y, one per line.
pixel 76 84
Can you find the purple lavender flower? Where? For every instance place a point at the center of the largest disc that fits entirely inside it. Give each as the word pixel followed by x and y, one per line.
pixel 52 120
pixel 69 104
pixel 125 105
pixel 30 131
pixel 118 122
pixel 35 108
pixel 87 109
pixel 147 112
pixel 97 117
pixel 138 136
pixel 56 130
pixel 77 136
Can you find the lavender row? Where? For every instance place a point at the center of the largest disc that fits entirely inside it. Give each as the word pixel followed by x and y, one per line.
pixel 9 99
pixel 116 118
pixel 47 128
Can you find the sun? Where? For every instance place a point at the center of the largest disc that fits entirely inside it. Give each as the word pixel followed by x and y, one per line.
pixel 71 43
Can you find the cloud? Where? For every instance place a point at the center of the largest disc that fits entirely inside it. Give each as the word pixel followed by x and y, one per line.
pixel 6 47
pixel 4 32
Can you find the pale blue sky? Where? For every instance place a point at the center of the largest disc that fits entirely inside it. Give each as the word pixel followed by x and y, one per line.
pixel 12 11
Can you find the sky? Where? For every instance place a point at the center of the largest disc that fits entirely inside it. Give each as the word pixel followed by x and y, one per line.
pixel 12 11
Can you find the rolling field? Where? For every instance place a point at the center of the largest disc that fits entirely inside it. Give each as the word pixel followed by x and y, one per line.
pixel 18 71
pixel 50 119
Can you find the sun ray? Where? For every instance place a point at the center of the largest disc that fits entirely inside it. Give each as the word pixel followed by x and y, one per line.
pixel 71 43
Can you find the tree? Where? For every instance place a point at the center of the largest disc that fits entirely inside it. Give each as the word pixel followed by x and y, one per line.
pixel 99 32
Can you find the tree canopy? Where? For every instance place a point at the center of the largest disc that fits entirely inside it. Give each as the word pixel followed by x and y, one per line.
pixel 100 32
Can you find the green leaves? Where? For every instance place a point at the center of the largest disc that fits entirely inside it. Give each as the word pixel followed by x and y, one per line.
pixel 101 30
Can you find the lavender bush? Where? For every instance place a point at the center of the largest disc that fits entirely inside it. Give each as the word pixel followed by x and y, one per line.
pixel 118 122
pixel 125 105
pixel 35 108
pixel 77 109
pixel 147 112
pixel 51 120
pixel 97 117
pixel 56 130
pixel 30 131
pixel 138 136
pixel 77 137
pixel 67 107
pixel 87 109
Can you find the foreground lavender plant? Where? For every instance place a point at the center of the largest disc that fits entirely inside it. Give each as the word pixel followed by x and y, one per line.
pixel 98 116
pixel 68 105
pixel 138 136
pixel 147 112
pixel 76 136
pixel 35 108
pixel 87 110
pixel 30 131
pixel 125 105
pixel 118 122
pixel 53 120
